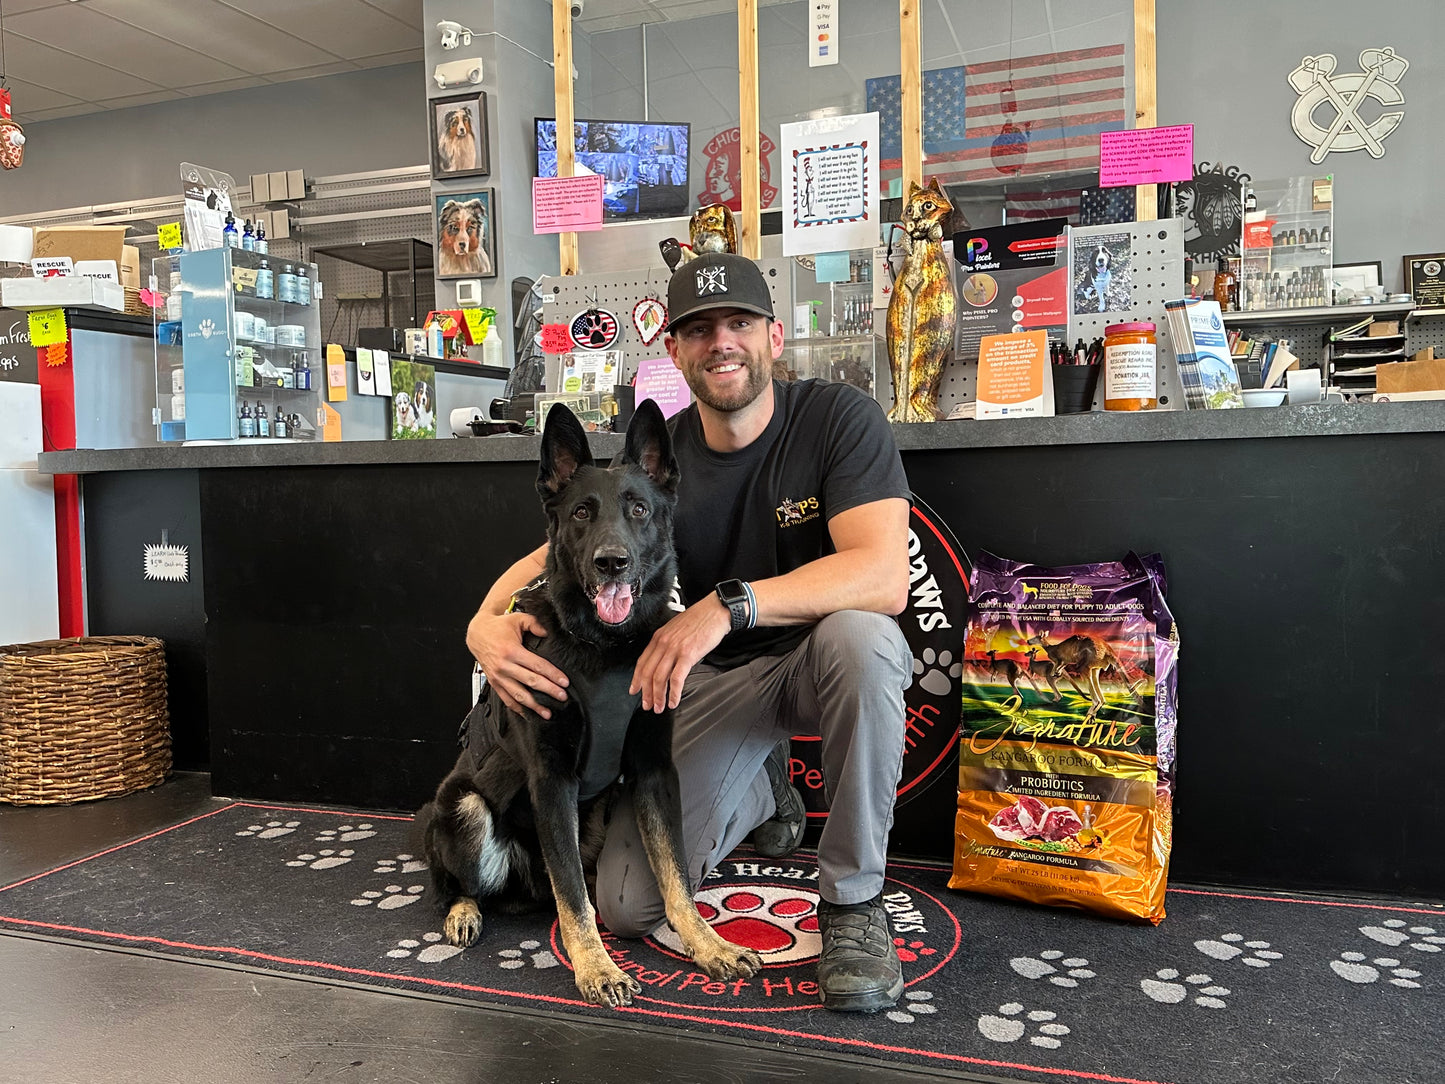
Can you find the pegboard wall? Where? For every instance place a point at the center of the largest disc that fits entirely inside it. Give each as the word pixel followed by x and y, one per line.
pixel 617 292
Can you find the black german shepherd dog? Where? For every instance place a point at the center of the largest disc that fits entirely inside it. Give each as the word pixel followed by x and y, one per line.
pixel 528 795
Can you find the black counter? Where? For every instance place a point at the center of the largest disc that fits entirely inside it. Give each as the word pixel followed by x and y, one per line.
pixel 317 650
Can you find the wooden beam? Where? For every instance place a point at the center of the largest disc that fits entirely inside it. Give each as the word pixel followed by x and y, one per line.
pixel 910 34
pixel 750 241
pixel 562 91
pixel 1146 98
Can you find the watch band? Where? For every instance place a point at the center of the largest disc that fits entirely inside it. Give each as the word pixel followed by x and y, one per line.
pixel 737 597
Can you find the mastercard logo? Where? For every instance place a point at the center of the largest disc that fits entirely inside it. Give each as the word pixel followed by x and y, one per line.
pixel 824 37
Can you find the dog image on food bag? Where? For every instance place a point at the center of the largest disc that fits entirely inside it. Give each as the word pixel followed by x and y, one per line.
pixel 520 817
pixel 461 238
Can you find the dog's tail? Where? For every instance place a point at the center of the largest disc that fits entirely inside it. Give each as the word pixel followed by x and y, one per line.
pixel 421 829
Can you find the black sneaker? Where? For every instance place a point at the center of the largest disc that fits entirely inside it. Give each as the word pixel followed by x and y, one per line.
pixel 858 969
pixel 780 835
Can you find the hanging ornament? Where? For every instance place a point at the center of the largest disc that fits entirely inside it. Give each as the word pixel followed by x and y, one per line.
pixel 594 328
pixel 12 136
pixel 649 316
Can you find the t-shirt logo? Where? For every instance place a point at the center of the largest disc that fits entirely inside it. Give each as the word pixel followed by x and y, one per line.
pixel 791 513
pixel 712 280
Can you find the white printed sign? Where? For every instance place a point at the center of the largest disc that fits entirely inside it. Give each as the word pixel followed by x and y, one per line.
pixel 52 267
pixel 822 32
pixel 166 562
pixel 830 195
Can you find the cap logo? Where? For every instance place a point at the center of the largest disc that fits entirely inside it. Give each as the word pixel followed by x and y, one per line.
pixel 712 280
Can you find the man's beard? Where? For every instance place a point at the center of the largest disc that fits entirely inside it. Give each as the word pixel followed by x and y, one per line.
pixel 760 374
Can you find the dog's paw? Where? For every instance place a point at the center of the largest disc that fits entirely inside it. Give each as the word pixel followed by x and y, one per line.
pixel 722 959
pixel 602 982
pixel 464 923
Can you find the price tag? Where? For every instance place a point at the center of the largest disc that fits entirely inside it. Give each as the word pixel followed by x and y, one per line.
pixel 47 327
pixel 478 320
pixel 169 235
pixel 556 339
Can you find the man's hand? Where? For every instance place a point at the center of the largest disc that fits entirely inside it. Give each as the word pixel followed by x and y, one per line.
pixel 675 649
pixel 516 673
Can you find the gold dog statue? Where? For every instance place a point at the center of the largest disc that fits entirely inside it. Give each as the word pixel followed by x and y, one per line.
pixel 922 309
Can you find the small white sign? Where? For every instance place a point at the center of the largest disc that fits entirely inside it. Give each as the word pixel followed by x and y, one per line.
pixel 165 562
pixel 52 267
pixel 822 32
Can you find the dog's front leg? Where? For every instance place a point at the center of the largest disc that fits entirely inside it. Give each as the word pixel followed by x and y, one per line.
pixel 656 799
pixel 600 980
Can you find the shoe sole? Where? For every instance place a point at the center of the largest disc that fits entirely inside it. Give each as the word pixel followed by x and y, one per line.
pixel 873 1001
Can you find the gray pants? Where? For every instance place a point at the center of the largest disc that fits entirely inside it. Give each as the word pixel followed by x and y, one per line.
pixel 843 683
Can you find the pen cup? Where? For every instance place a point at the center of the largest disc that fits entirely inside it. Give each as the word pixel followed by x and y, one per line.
pixel 1074 388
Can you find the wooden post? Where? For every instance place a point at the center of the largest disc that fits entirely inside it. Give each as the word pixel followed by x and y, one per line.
pixel 1146 100
pixel 750 241
pixel 562 90
pixel 910 33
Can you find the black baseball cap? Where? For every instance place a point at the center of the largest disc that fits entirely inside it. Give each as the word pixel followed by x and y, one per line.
pixel 718 280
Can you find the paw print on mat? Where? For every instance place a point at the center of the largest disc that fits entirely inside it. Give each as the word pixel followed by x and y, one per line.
pixel 346 833
pixel 1009 1026
pixel 271 829
pixel 390 898
pixel 936 681
pixel 1394 933
pixel 915 1003
pixel 779 923
pixel 327 859
pixel 435 952
pixel 1231 945
pixel 911 951
pixel 1163 989
pixel 513 958
pixel 1351 967
pixel 1048 963
pixel 402 863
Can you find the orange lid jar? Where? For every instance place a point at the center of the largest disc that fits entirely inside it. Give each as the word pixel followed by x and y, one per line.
pixel 1131 377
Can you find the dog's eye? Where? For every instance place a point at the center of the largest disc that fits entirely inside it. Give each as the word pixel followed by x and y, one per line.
pixel 639 510
pixel 581 512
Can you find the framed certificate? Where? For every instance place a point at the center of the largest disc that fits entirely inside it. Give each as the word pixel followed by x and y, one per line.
pixel 1425 279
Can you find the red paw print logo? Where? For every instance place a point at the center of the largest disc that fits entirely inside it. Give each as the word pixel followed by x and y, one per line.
pixel 911 951
pixel 779 923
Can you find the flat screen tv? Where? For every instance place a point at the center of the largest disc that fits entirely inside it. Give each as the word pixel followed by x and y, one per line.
pixel 643 164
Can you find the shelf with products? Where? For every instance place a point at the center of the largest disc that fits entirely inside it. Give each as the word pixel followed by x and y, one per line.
pixel 1286 244
pixel 844 359
pixel 227 357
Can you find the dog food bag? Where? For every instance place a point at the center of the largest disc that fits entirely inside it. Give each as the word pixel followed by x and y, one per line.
pixel 1066 752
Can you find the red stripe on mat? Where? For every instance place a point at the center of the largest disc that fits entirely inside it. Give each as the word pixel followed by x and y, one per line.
pixel 552 999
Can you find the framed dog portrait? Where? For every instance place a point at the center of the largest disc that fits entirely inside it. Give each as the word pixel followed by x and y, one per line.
pixel 459 136
pixel 413 400
pixel 466 240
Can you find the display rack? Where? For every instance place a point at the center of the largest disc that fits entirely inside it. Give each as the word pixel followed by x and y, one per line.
pixel 225 348
pixel 1287 244
pixel 392 258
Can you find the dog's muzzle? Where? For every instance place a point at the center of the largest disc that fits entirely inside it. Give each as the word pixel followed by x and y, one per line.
pixel 613 596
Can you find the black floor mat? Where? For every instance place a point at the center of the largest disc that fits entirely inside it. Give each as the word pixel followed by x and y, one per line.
pixel 1231 988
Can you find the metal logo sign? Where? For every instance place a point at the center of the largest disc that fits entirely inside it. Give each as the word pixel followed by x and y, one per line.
pixel 1316 83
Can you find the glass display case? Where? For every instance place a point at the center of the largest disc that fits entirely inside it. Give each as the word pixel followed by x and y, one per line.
pixel 1287 247
pixel 845 359
pixel 833 326
pixel 238 347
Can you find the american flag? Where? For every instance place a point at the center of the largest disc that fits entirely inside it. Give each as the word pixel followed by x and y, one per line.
pixel 1023 116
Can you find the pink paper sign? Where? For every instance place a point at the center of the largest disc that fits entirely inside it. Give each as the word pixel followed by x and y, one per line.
pixel 566 204
pixel 659 380
pixel 1146 156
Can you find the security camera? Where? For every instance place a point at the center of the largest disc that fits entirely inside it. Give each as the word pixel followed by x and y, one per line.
pixel 454 34
pixel 576 9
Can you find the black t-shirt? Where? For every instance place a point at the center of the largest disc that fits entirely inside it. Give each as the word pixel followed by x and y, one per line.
pixel 764 510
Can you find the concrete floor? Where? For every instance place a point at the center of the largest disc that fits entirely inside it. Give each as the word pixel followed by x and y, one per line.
pixel 72 1012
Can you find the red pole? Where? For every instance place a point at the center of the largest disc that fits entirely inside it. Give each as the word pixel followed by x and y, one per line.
pixel 57 415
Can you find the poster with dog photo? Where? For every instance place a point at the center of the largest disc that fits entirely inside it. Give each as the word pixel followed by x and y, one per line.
pixel 1102 271
pixel 466 242
pixel 413 400
pixel 459 137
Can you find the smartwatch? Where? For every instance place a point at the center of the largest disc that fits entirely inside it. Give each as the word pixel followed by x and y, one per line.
pixel 734 594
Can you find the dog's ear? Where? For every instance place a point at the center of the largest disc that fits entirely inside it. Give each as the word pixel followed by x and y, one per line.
pixel 649 446
pixel 564 449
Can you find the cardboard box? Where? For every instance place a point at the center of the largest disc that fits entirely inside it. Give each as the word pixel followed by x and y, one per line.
pixel 276 186
pixel 1410 376
pixel 1383 327
pixel 81 243
pixel 130 267
pixel 260 188
pixel 295 184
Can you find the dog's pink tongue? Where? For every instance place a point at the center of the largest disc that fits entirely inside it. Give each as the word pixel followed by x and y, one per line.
pixel 614 602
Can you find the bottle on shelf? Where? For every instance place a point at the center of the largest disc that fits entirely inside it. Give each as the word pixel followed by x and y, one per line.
pixel 263 424
pixel 248 238
pixel 248 423
pixel 303 285
pixel 262 245
pixel 1224 291
pixel 1251 202
pixel 302 370
pixel 279 429
pixel 228 232
pixel 265 281
pixel 286 285
pixel 493 352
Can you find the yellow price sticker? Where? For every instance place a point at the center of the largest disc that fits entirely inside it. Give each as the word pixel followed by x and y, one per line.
pixel 47 327
pixel 169 235
pixel 478 320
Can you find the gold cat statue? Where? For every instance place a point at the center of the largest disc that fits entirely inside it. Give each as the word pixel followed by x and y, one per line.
pixel 921 311
pixel 712 229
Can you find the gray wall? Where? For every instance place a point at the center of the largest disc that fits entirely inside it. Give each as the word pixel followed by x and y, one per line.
pixel 343 123
pixel 1384 208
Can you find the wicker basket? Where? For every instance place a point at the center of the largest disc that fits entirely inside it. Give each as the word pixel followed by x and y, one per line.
pixel 83 718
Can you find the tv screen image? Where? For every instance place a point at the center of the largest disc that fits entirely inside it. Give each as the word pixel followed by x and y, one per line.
pixel 643 165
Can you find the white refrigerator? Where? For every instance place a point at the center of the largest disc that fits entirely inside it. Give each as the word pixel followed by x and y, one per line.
pixel 29 603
